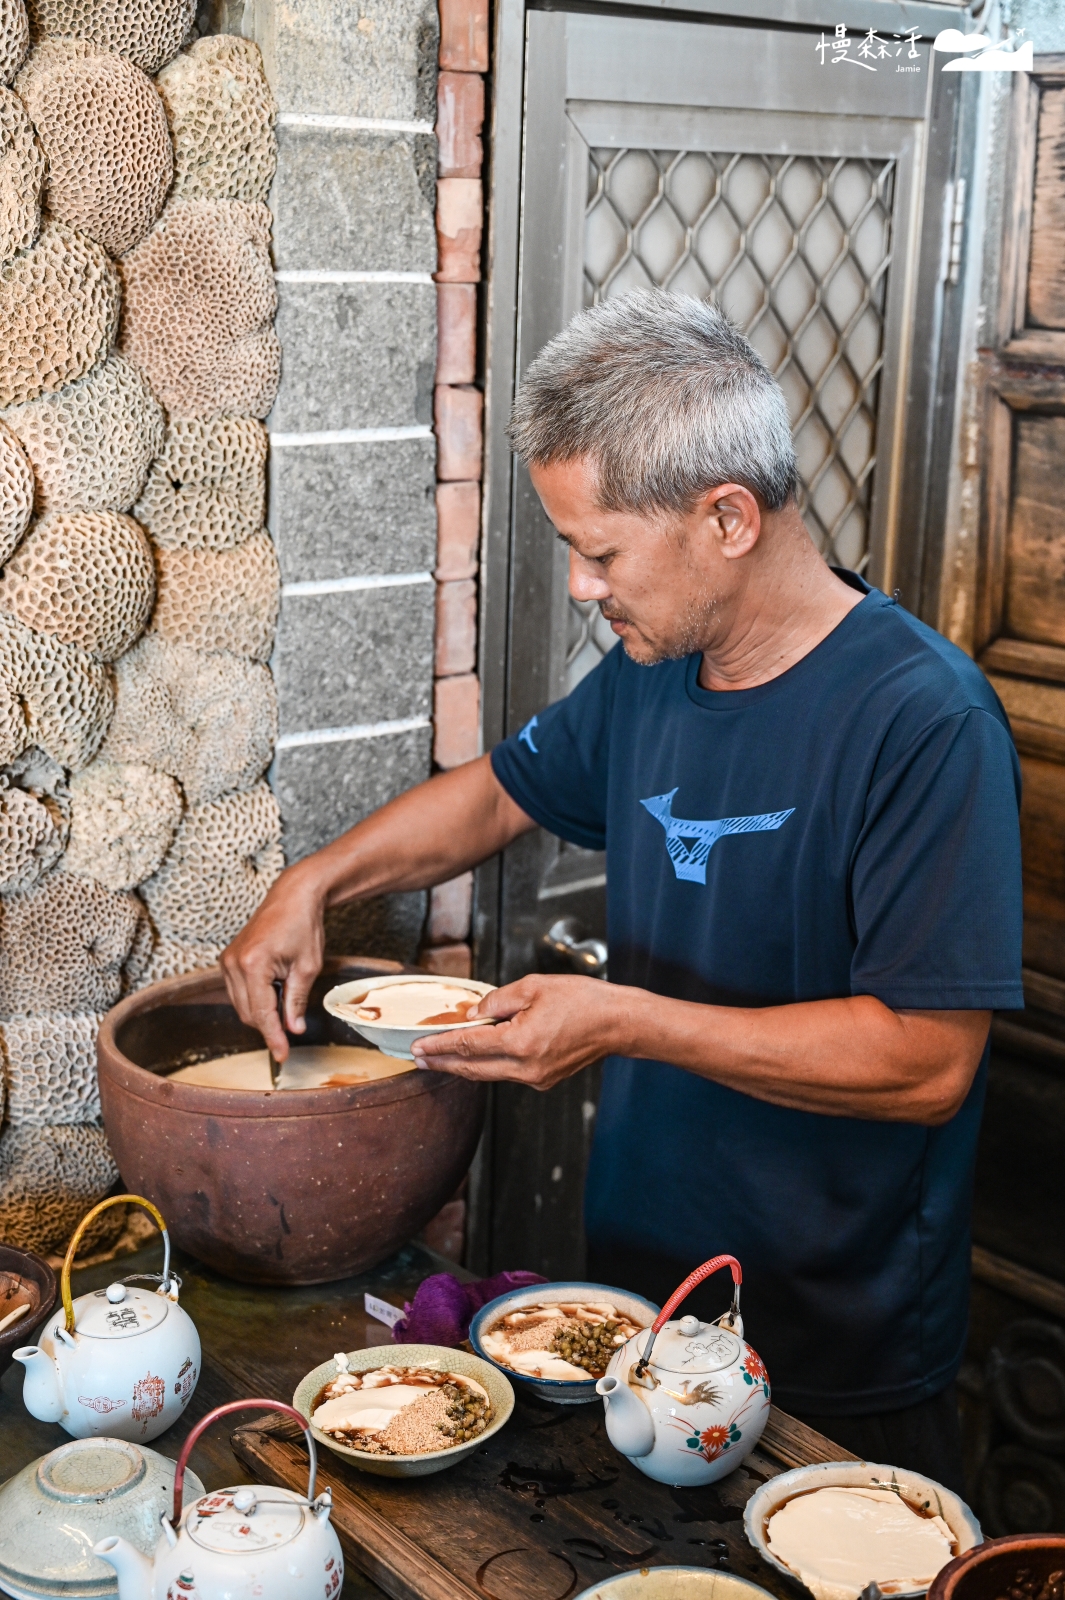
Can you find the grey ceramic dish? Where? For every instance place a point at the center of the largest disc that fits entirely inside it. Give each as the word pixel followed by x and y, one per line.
pixel 674 1583
pixel 54 1511
pixel 563 1391
pixel 410 1355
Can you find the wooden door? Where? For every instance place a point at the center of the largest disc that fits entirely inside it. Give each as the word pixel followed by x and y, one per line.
pixel 1013 1382
pixel 1020 637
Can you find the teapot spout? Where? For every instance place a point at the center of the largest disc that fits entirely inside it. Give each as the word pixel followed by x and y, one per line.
pixel 42 1389
pixel 134 1570
pixel 629 1425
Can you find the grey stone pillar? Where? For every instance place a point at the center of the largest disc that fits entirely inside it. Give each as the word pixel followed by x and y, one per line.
pixel 351 504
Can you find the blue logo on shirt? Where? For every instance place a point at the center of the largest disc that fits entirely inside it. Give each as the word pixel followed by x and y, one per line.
pixel 689 843
pixel 527 734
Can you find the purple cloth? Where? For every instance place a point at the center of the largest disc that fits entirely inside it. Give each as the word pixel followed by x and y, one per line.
pixel 443 1307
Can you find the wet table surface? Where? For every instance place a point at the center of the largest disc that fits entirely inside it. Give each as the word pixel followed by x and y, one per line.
pixel 545 1510
pixel 256 1342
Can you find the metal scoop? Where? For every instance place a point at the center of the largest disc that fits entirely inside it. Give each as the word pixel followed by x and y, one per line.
pixel 275 1065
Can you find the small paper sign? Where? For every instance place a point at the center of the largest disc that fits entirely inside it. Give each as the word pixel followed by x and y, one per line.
pixel 382 1311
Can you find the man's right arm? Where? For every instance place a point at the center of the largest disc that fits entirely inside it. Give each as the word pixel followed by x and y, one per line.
pixel 426 836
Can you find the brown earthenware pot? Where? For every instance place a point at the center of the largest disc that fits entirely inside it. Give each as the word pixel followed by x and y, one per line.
pixel 41 1293
pixel 989 1570
pixel 299 1186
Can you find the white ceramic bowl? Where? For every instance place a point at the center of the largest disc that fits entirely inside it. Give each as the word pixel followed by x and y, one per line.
pixel 674 1583
pixel 922 1493
pixel 563 1391
pixel 340 1002
pixel 440 1358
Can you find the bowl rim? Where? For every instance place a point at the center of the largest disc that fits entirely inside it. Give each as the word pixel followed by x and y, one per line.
pixel 800 1479
pixel 47 1283
pixel 416 1030
pixel 705 1572
pixel 387 1354
pixel 534 1289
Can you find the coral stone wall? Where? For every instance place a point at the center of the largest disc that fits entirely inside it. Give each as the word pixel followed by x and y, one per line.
pixel 139 591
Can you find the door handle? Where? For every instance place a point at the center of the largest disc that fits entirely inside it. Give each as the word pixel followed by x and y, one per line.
pixel 586 956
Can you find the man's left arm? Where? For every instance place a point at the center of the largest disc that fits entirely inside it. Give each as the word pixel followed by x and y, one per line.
pixel 847 1058
pixel 937 907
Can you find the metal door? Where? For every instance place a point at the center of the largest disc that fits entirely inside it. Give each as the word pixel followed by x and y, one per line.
pixel 738 164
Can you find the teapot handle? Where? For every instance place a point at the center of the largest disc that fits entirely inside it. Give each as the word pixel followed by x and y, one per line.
pixel 68 1259
pixel 222 1411
pixel 691 1282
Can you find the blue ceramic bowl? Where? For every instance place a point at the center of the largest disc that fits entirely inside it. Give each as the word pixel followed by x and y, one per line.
pixel 563 1391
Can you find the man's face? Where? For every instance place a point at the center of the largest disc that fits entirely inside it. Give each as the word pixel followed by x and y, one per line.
pixel 659 580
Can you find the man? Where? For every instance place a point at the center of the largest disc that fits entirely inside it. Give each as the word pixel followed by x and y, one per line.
pixel 809 806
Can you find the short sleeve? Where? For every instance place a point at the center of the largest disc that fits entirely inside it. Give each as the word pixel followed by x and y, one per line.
pixel 556 767
pixel 936 873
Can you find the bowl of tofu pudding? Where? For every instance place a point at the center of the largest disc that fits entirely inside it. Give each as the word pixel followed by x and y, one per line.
pixel 838 1526
pixel 404 1411
pixel 392 1012
pixel 554 1340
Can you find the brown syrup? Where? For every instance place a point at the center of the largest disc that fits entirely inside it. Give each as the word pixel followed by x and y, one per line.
pixel 457 1013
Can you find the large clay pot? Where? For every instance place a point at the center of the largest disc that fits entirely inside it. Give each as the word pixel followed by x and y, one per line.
pixel 990 1569
pixel 301 1186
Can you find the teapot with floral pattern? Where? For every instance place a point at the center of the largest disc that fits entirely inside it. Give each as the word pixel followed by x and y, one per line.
pixel 687 1401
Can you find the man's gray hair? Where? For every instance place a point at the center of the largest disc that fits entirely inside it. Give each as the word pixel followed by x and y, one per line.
pixel 667 398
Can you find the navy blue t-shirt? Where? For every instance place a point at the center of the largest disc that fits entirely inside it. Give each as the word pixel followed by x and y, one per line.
pixel 850 827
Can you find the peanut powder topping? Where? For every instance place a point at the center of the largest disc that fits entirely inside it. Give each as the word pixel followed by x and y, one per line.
pixel 402 1411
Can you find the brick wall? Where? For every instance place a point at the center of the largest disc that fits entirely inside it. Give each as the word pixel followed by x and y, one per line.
pixel 458 414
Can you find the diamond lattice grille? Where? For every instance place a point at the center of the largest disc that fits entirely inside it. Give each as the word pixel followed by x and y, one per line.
pixel 796 249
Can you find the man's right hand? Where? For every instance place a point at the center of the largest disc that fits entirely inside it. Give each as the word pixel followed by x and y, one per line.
pixel 285 940
pixel 426 836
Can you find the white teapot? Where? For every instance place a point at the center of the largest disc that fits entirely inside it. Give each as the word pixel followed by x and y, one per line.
pixel 252 1540
pixel 687 1401
pixel 122 1361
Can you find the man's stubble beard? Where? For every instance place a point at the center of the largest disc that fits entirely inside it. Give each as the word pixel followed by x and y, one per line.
pixel 697 628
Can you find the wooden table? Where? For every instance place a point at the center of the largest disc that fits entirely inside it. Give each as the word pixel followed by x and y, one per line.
pixel 541 1512
pixel 546 1508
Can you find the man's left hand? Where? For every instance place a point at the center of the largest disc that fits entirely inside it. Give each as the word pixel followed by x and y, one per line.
pixel 548 1028
pixel 850 1057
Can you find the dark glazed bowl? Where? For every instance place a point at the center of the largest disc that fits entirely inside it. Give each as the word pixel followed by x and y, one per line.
pixel 301 1186
pixel 988 1571
pixel 42 1293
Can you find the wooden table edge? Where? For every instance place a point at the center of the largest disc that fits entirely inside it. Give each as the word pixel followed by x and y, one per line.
pixel 793 1444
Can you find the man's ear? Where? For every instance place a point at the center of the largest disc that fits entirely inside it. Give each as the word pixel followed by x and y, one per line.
pixel 733 518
